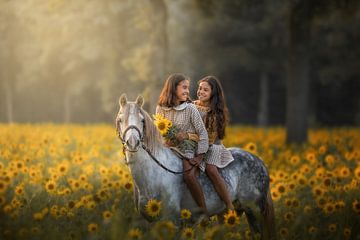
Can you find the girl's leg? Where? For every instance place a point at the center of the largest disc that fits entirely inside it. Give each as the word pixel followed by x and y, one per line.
pixel 219 185
pixel 194 185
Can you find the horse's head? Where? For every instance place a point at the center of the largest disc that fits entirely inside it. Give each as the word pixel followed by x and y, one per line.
pixel 130 123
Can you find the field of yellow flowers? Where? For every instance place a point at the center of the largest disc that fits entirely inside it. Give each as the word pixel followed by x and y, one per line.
pixel 70 182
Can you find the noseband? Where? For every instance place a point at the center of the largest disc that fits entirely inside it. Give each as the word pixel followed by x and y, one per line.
pixel 122 137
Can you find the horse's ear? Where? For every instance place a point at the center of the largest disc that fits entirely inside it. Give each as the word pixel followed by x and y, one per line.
pixel 122 100
pixel 140 101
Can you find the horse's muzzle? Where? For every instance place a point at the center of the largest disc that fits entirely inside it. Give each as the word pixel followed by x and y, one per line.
pixel 132 144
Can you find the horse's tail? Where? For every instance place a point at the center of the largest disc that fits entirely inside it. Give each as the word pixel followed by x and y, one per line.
pixel 269 217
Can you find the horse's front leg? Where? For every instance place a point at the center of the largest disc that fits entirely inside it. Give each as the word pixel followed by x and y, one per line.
pixel 136 196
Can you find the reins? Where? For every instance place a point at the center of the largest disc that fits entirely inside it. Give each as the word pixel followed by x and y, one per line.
pixel 146 149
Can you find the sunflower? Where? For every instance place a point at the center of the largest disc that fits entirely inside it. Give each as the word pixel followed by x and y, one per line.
pixel 19 190
pixel 295 202
pixel 35 230
pixel 318 191
pixel 93 227
pixel 305 168
pixel 357 172
pixel 280 174
pixel 344 172
pixel 164 230
pixel 90 205
pixel 3 186
pixel 50 186
pixel 332 227
pixel 107 215
pixel 188 233
pixel 162 124
pixel 347 232
pixel 302 180
pixel 312 230
pixel 322 149
pixel 294 160
pixel 329 208
pixel 128 186
pixel 275 194
pixel 288 202
pixel 251 147
pixel 62 168
pixel 320 172
pixel 281 188
pixel 185 214
pixel 330 159
pixel 320 202
pixel 284 232
pixel 231 219
pixel 356 206
pixel 153 208
pixel 311 157
pixel 135 233
pixel 288 216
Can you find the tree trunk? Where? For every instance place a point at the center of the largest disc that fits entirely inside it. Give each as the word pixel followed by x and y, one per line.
pixel 264 99
pixel 67 107
pixel 159 9
pixel 298 72
pixel 9 101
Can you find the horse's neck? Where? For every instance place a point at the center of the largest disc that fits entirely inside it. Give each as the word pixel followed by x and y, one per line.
pixel 147 174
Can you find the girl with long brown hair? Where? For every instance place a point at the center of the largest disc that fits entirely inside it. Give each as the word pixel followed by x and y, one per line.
pixel 212 107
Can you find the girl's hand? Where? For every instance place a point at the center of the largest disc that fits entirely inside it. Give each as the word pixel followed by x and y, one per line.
pixel 180 136
pixel 168 143
pixel 196 160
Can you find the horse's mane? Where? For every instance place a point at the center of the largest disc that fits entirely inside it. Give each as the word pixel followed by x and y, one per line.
pixel 152 137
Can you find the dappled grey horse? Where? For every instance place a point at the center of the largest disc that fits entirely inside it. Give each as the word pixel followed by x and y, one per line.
pixel 155 169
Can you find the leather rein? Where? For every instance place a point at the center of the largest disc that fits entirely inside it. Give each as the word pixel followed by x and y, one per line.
pixel 125 148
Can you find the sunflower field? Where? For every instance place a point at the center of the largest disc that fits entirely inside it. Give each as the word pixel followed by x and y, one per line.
pixel 70 182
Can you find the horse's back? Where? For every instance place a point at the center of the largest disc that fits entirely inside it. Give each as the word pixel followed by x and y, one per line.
pixel 246 177
pixel 250 169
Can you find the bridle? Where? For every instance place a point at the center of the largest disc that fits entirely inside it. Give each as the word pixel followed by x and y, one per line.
pixel 122 137
pixel 125 148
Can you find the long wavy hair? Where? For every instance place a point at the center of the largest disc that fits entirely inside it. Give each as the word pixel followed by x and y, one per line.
pixel 218 115
pixel 168 93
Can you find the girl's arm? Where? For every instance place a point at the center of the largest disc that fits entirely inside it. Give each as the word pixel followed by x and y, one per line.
pixel 196 120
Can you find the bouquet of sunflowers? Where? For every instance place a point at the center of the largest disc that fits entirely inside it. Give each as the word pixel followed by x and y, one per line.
pixel 169 133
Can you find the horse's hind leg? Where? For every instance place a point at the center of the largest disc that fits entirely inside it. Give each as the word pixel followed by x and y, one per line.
pixel 253 224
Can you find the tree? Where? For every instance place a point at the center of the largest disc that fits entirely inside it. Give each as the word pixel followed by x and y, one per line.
pixel 11 32
pixel 298 71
